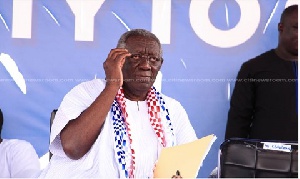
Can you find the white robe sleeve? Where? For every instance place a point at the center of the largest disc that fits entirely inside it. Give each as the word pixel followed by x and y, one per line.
pixel 73 104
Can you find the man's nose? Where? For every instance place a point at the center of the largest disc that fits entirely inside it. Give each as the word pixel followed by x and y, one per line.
pixel 144 62
pixel 146 58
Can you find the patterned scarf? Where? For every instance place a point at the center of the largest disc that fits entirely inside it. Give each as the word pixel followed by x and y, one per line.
pixel 124 153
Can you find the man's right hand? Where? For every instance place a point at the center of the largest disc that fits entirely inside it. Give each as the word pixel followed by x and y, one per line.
pixel 113 67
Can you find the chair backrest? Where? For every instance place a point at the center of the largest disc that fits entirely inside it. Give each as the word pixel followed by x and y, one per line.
pixel 244 158
pixel 51 122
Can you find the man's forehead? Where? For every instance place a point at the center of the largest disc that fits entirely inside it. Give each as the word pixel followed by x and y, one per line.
pixel 140 39
pixel 141 43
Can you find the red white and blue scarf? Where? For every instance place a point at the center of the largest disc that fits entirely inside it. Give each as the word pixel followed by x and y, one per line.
pixel 162 126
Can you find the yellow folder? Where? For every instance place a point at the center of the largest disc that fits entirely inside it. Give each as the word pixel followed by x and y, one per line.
pixel 186 158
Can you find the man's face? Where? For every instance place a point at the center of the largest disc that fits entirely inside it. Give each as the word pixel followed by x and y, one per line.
pixel 139 72
pixel 289 33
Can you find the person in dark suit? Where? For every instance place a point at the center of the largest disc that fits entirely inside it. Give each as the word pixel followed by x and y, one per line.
pixel 264 101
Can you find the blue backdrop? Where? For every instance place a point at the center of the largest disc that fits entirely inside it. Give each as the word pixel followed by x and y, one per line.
pixel 48 47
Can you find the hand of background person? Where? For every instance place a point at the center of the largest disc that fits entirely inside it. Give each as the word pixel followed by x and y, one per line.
pixel 113 66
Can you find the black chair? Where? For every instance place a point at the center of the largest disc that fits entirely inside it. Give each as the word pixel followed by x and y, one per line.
pixel 244 158
pixel 51 122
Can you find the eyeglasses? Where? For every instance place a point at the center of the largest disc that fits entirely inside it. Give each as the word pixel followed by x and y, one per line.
pixel 153 61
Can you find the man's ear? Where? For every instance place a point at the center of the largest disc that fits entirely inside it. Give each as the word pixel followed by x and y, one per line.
pixel 280 27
